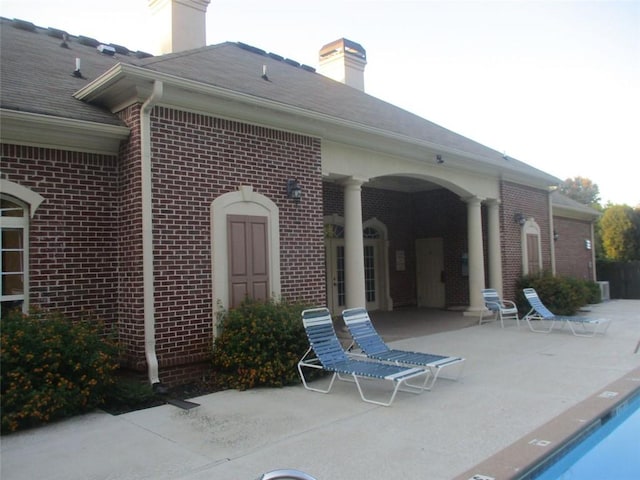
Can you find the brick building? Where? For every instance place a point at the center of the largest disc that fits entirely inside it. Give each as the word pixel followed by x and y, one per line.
pixel 149 191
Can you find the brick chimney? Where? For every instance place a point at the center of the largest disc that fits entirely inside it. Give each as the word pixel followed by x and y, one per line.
pixel 344 61
pixel 179 24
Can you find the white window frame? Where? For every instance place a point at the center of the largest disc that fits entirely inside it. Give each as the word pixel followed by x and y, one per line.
pixel 21 223
pixel 30 201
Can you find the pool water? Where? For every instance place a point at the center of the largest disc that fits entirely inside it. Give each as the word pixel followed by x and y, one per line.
pixel 611 452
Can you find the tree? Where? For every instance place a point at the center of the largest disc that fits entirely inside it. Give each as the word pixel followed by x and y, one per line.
pixel 620 230
pixel 581 190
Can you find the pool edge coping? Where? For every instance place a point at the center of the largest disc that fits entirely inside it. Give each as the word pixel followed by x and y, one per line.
pixel 522 458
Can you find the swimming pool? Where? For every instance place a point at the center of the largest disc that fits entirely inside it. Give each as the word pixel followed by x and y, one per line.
pixel 611 451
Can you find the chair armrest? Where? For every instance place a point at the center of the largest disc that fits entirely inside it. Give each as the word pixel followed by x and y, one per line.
pixel 493 306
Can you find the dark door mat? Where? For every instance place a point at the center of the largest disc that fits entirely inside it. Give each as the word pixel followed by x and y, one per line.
pixel 183 404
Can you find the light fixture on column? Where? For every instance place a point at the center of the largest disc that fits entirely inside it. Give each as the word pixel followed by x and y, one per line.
pixel 556 236
pixel 293 189
pixel 520 219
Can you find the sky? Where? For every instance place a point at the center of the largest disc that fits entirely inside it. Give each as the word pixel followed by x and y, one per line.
pixel 555 84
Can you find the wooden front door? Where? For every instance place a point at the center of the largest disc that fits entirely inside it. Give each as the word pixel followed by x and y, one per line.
pixel 429 272
pixel 248 258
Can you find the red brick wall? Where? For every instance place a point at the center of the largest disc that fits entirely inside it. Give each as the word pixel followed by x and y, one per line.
pixel 86 237
pixel 572 257
pixel 196 159
pixel 531 202
pixel 73 236
pixel 130 284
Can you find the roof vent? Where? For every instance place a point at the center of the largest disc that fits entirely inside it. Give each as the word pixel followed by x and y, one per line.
pixel 106 50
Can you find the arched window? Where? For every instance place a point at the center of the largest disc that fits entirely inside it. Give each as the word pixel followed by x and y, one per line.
pixel 531 248
pixel 14 258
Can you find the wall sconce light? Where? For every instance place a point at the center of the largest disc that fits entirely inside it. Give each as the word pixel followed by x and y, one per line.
pixel 556 236
pixel 439 159
pixel 293 189
pixel 587 244
pixel 520 219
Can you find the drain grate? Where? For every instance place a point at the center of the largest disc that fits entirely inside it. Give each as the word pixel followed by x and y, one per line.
pixel 183 404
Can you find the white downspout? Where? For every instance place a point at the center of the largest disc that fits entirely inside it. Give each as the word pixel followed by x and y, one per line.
pixel 147 234
pixel 553 242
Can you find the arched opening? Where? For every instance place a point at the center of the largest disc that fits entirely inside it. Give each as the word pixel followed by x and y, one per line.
pixel 238 220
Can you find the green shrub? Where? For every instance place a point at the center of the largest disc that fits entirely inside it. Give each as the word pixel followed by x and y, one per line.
pixel 51 368
pixel 259 344
pixel 129 393
pixel 561 295
pixel 594 294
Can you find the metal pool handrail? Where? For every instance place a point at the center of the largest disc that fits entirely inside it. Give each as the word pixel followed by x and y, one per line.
pixel 286 474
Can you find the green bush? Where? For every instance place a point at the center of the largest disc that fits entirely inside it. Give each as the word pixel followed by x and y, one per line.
pixel 561 295
pixel 52 368
pixel 259 344
pixel 130 393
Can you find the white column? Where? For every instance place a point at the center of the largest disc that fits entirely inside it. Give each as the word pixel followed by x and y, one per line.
pixel 476 255
pixel 494 249
pixel 353 244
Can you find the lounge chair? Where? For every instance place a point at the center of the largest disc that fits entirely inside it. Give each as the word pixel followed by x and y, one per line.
pixel 500 309
pixel 331 357
pixel 373 347
pixel 580 326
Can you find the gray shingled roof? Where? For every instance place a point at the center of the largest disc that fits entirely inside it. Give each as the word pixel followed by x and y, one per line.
pixel 562 201
pixel 37 77
pixel 37 73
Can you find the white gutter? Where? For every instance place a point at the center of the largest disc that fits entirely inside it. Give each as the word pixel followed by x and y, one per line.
pixel 147 233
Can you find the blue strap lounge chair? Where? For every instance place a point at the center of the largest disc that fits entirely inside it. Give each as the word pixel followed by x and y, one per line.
pixel 326 353
pixel 580 326
pixel 501 309
pixel 373 346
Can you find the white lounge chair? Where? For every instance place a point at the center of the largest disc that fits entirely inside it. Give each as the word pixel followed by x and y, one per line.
pixel 500 309
pixel 546 320
pixel 373 346
pixel 331 357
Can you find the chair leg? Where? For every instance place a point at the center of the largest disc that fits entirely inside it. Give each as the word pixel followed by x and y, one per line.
pixel 304 380
pixel 313 363
pixel 529 318
pixel 415 389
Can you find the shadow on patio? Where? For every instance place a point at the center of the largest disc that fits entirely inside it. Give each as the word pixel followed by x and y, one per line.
pixel 412 322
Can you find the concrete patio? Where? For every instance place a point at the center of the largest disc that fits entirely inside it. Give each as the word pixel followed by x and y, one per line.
pixel 516 386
